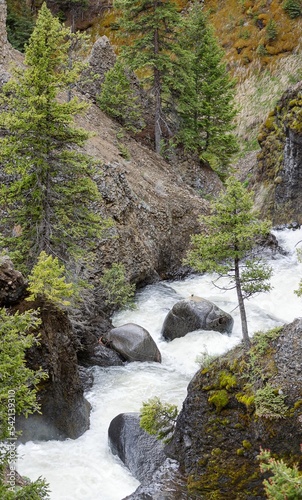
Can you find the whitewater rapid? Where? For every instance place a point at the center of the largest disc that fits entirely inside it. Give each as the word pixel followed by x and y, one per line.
pixel 85 469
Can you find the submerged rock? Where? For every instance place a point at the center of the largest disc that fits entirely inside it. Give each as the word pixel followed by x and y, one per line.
pixel 141 453
pixel 134 343
pixel 193 314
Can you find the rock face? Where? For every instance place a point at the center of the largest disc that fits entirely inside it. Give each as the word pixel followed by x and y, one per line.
pixel 141 453
pixel 195 314
pixel 65 411
pixel 134 343
pixel 224 420
pixel 278 176
pixel 101 59
pixel 167 484
pixel 12 283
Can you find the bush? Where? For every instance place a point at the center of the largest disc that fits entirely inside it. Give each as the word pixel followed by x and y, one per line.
pixel 158 419
pixel 118 291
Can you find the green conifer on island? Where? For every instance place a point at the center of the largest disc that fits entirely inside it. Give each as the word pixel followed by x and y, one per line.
pixel 226 246
pixel 118 99
pixel 49 188
pixel 206 105
pixel 149 30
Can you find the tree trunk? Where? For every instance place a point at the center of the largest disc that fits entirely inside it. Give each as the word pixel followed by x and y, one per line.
pixel 244 328
pixel 157 97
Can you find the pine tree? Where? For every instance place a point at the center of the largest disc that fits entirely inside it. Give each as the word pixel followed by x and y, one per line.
pixel 49 187
pixel 226 246
pixel 206 104
pixel 118 99
pixel 149 29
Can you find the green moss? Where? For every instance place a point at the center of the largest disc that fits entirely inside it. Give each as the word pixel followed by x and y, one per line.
pixel 219 399
pixel 227 380
pixel 240 451
pixel 246 444
pixel 246 399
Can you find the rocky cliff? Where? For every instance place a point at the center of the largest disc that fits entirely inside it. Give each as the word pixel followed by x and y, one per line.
pixel 237 404
pixel 278 174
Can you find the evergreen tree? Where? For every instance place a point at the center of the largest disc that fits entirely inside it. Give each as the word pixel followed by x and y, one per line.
pixel 118 99
pixel 226 246
pixel 47 279
pixel 49 186
pixel 158 418
pixel 206 104
pixel 149 29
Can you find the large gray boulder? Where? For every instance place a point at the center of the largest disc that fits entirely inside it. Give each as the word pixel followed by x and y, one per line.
pixel 193 314
pixel 134 343
pixel 141 453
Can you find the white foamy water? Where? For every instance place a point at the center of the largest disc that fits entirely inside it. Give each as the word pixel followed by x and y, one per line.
pixel 84 469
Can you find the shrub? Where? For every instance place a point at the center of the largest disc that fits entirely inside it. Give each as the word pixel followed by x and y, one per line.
pixel 118 291
pixel 158 418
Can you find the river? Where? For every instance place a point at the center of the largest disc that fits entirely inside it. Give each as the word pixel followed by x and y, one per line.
pixel 84 469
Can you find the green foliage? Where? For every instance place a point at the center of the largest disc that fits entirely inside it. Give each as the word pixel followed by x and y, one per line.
pixel 119 100
pixel 271 30
pixel 293 8
pixel 219 399
pixel 15 376
pixel 227 380
pixel 149 31
pixel 206 102
pixel 286 482
pixel 47 279
pixel 269 403
pixel 229 237
pixel 261 341
pixel 19 24
pixel 158 418
pixel 49 189
pixel 37 490
pixel 119 292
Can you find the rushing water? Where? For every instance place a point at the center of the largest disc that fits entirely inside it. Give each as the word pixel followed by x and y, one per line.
pixel 84 468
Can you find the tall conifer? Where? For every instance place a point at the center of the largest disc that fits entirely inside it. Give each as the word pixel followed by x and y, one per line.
pixel 48 184
pixel 149 30
pixel 206 105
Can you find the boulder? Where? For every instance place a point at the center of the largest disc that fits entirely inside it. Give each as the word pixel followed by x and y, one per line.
pixel 195 313
pixel 141 453
pixel 101 60
pixel 167 483
pixel 64 410
pixel 12 283
pixel 103 356
pixel 134 343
